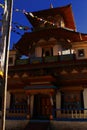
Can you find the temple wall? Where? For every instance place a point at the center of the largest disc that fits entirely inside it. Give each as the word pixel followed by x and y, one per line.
pixel 78 46
pixel 38 51
pixel 12 54
pixel 85 52
pixel 8 100
pixel 54 125
pixel 58 102
pixel 31 105
pixel 56 48
pixel 85 97
pixel 15 124
pixel 68 125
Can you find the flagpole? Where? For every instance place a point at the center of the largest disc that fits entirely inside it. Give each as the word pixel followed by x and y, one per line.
pixel 6 32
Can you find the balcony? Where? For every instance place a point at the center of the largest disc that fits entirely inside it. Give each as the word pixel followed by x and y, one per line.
pixel 58 114
pixel 17 112
pixel 47 59
pixel 70 114
pixel 61 59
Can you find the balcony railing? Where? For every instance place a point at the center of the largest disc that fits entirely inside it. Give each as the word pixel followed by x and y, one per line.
pixel 46 59
pixel 58 114
pixel 17 112
pixel 73 114
pixel 49 59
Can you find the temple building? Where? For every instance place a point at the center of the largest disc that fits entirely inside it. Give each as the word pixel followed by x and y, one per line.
pixel 47 74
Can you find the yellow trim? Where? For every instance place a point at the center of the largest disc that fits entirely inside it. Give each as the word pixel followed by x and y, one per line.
pixel 1 73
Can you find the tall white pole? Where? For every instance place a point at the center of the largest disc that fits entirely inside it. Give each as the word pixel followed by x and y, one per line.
pixel 6 32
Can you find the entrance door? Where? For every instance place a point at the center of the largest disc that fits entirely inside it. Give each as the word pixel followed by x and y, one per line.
pixel 42 106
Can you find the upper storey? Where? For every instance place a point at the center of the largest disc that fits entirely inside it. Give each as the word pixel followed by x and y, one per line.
pixel 54 32
pixel 52 18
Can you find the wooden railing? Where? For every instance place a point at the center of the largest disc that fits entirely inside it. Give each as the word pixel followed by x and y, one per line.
pixel 17 112
pixel 58 114
pixel 70 113
pixel 47 59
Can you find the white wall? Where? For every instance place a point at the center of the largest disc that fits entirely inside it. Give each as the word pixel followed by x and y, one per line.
pixel 38 51
pixel 85 97
pixel 85 100
pixel 80 45
pixel 58 102
pixel 12 54
pixel 56 48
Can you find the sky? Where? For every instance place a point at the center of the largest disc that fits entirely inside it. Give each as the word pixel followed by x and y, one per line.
pixel 79 9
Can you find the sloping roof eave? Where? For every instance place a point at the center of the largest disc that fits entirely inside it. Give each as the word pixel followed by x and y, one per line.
pixel 65 11
pixel 58 33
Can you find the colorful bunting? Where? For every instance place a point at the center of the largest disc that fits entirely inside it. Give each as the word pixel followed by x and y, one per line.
pixel 16 32
pixel 31 14
pixel 25 28
pixel 18 26
pixel 42 20
pixel 21 27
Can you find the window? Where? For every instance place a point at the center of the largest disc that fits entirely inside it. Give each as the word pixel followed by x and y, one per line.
pixel 81 53
pixel 47 51
pixel 72 100
pixel 65 52
pixel 18 101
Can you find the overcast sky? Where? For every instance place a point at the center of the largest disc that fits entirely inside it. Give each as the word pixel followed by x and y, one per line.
pixel 79 8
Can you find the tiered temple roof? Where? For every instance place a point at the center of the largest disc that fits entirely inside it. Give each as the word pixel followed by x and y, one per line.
pixel 68 33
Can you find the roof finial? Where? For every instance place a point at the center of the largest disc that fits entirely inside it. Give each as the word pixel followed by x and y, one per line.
pixel 51 6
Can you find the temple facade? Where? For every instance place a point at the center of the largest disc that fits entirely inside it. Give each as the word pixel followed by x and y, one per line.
pixel 51 81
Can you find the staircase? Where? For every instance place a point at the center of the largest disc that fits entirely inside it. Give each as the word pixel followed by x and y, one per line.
pixel 37 125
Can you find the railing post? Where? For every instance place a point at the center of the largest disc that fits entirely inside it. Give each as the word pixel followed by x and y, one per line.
pixel 72 113
pixel 76 113
pixel 80 113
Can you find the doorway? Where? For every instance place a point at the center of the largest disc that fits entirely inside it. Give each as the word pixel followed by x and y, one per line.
pixel 42 107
